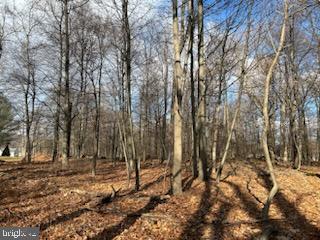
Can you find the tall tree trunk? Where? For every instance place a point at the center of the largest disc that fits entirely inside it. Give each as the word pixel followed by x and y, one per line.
pixel 273 191
pixel 29 91
pixel 318 130
pixel 218 108
pixel 298 139
pixel 283 133
pixel 292 131
pixel 165 96
pixel 124 149
pixel 97 97
pixel 295 98
pixel 216 123
pixel 83 108
pixel 96 135
pixel 28 154
pixel 193 92
pixel 271 133
pixel 225 114
pixel 305 138
pixel 127 75
pixel 203 173
pixel 67 102
pixel 56 136
pixel 176 181
pixel 1 39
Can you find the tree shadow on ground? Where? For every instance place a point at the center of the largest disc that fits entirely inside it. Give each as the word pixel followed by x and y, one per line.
pixel 218 226
pixel 193 228
pixel 129 220
pixel 150 184
pixel 288 209
pixel 63 218
pixel 270 227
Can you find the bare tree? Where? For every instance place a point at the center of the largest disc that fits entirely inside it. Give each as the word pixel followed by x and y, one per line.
pixel 26 74
pixel 264 137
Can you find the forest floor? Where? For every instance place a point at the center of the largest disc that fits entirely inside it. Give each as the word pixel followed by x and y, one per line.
pixel 40 194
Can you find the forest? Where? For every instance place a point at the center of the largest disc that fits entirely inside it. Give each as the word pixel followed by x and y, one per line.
pixel 160 119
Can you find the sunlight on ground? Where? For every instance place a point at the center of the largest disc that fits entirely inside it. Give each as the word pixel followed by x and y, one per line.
pixel 10 159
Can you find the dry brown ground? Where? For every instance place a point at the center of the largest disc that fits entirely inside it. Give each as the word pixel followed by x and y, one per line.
pixel 42 195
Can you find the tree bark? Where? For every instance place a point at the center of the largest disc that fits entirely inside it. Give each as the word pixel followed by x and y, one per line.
pixel 271 133
pixel 201 117
pixel 283 133
pixel 127 74
pixel 176 181
pixel 165 96
pixel 124 149
pixel 305 138
pixel 56 137
pixel 193 91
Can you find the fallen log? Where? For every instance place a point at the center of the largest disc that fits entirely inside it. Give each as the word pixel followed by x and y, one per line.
pixel 311 174
pixel 96 199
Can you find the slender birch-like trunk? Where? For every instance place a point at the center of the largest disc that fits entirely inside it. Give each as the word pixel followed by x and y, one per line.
pixel 265 110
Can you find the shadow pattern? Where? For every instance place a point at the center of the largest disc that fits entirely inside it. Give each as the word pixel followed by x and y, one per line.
pixel 129 220
pixel 291 213
pixel 63 218
pixel 194 225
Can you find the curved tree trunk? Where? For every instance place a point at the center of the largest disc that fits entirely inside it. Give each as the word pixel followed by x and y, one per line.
pixel 265 109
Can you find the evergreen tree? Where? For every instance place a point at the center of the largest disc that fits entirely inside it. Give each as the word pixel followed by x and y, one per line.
pixel 6 151
pixel 7 123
